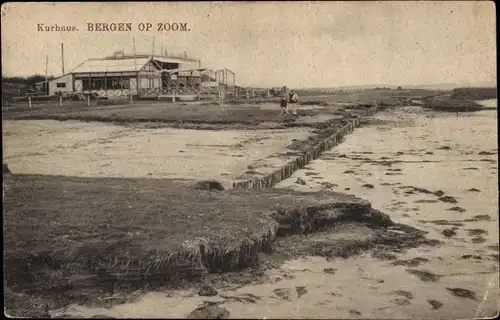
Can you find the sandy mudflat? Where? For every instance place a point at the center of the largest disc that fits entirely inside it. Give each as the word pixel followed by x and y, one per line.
pixel 457 155
pixel 432 153
pixel 102 150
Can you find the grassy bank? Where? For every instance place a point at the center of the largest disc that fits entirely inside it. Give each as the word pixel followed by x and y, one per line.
pixel 130 225
pixel 247 112
pixel 125 228
pixel 461 100
pixel 450 104
pixel 483 93
pixel 165 113
pixel 80 234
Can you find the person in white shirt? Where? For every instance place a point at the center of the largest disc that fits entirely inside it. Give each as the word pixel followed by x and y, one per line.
pixel 294 99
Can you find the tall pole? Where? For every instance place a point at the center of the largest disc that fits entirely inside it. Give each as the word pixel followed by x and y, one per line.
pixel 153 46
pixel 135 62
pixel 150 80
pixel 226 85
pixel 46 74
pixel 136 74
pixel 62 57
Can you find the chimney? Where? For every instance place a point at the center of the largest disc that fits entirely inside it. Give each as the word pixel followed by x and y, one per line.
pixel 119 55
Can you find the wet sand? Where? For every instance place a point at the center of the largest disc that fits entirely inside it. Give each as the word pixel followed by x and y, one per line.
pixel 73 148
pixel 433 152
pixel 416 161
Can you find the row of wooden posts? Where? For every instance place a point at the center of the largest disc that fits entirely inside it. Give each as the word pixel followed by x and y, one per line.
pixel 60 101
pixel 220 97
pixel 288 169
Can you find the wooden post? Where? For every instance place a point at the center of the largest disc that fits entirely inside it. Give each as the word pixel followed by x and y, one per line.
pixel 153 51
pixel 173 95
pixel 29 101
pixel 88 100
pixel 46 74
pixel 225 83
pixel 62 57
pixel 60 101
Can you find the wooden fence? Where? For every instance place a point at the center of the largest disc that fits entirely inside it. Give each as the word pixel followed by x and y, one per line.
pixel 268 181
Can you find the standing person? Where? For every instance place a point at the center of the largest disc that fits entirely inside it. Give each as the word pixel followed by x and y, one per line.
pixel 284 100
pixel 294 99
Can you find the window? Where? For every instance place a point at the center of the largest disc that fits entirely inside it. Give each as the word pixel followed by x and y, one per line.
pixel 93 84
pixel 85 84
pixel 124 83
pixel 170 66
pixel 61 84
pixel 106 83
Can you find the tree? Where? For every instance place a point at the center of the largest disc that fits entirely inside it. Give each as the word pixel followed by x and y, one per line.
pixel 31 80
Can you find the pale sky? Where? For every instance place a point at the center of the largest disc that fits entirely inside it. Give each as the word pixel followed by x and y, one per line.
pixel 298 44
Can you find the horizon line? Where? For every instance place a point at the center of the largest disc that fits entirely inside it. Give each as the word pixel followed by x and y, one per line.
pixel 465 84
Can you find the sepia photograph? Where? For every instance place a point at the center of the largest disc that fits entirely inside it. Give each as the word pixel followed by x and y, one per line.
pixel 250 160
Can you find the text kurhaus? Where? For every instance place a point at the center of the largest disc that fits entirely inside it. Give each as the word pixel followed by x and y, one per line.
pixel 55 27
pixel 121 26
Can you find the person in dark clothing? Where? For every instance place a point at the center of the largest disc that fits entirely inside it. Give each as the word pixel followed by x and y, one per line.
pixel 284 100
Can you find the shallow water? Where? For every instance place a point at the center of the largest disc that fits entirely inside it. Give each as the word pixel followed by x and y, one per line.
pixel 491 103
pixel 364 287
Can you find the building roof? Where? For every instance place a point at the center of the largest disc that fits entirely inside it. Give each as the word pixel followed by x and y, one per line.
pixel 111 65
pixel 59 77
pixel 201 70
pixel 139 55
pixel 173 60
pixel 122 64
